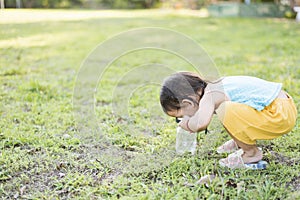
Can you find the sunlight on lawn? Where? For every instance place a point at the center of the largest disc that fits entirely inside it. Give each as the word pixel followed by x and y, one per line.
pixel 29 15
pixel 39 40
pixel 41 52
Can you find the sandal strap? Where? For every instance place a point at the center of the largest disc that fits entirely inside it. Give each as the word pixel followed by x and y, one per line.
pixel 228 147
pixel 234 160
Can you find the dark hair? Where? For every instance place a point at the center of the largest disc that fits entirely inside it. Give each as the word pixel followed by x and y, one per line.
pixel 179 86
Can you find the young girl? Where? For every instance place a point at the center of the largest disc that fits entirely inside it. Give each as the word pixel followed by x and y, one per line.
pixel 249 108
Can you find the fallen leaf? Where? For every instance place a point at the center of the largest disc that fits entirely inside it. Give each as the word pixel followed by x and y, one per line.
pixel 240 186
pixel 22 189
pixel 61 175
pixel 206 179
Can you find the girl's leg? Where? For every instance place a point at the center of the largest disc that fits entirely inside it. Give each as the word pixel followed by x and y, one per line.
pixel 251 152
pixel 241 122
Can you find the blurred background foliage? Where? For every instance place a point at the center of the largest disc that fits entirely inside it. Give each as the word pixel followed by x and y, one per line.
pixel 82 3
pixel 105 4
pixel 217 8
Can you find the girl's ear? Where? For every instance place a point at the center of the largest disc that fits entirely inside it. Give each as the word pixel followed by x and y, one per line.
pixel 188 102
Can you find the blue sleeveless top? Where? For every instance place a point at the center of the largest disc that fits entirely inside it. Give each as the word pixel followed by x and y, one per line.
pixel 251 91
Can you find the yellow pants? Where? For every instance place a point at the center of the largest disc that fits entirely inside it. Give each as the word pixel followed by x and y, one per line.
pixel 248 125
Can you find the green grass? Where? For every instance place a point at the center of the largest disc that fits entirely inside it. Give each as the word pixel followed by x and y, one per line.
pixel 41 157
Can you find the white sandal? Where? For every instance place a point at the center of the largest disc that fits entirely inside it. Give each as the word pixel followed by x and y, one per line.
pixel 228 147
pixel 235 161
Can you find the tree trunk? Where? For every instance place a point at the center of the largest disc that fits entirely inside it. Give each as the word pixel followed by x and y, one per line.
pixel 18 4
pixel 2 5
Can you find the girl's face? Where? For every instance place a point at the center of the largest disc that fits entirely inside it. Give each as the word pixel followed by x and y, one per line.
pixel 188 108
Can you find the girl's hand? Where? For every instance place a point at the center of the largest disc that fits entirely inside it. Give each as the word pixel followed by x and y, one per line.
pixel 184 124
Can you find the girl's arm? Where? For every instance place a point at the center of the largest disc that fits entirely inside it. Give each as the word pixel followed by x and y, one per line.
pixel 202 117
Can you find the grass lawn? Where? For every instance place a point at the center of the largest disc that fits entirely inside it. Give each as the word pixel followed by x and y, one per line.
pixel 41 155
